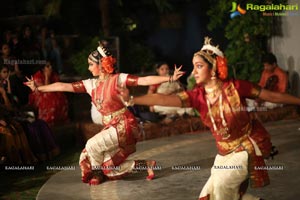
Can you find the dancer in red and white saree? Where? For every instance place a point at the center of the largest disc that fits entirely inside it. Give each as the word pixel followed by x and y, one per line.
pixel 242 142
pixel 105 153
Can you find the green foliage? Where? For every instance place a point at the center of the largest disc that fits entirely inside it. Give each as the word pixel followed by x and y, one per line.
pixel 138 58
pixel 79 59
pixel 52 8
pixel 247 36
pixel 49 9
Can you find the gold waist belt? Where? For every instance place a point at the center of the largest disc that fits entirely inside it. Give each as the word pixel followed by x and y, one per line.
pixel 229 146
pixel 107 118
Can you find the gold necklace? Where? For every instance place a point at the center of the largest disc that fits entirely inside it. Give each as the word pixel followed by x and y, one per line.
pixel 213 91
pixel 224 130
pixel 99 80
pixel 99 100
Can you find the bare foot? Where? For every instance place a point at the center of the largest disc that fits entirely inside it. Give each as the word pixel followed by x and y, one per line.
pixel 95 180
pixel 150 165
pixel 98 177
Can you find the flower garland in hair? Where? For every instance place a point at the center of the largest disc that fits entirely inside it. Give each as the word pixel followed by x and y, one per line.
pixel 222 67
pixel 108 64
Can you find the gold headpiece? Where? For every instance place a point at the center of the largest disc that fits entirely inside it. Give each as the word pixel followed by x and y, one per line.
pixel 102 50
pixel 95 56
pixel 208 50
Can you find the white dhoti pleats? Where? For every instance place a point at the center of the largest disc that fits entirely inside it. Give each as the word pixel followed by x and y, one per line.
pixel 101 148
pixel 227 174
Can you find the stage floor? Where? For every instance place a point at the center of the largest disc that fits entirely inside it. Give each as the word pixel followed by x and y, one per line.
pixel 196 151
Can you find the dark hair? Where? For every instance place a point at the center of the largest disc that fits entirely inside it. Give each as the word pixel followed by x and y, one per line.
pixel 159 64
pixel 4 43
pixel 3 66
pixel 269 58
pixel 47 61
pixel 95 56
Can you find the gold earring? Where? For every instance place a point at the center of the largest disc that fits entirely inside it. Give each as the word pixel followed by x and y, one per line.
pixel 213 75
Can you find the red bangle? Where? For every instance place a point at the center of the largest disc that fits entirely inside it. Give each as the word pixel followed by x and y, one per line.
pixel 132 80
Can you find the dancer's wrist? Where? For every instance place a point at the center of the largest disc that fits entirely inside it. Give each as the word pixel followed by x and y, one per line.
pixel 36 88
pixel 130 102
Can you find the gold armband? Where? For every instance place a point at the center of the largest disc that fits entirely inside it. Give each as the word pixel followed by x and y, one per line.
pixel 184 97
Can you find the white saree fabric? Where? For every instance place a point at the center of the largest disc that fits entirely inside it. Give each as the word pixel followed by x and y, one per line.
pixel 227 174
pixel 96 115
pixel 102 147
pixel 105 144
pixel 171 88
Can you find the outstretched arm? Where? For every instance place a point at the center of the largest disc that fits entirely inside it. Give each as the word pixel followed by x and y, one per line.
pixel 152 80
pixel 276 97
pixel 158 99
pixel 54 87
pixel 149 99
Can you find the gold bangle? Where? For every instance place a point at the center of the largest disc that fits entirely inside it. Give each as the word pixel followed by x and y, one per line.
pixel 130 102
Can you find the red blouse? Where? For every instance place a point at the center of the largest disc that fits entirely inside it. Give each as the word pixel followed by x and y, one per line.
pixel 239 122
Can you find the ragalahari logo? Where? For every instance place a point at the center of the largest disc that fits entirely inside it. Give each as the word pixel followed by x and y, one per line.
pixel 236 10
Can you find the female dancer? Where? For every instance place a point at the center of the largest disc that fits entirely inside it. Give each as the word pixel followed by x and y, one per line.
pixel 106 152
pixel 242 142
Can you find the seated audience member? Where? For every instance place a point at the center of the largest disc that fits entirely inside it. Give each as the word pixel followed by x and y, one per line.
pixel 10 60
pixel 273 78
pixel 171 87
pixel 23 132
pixel 52 106
pixel 14 146
pixel 40 137
pixel 4 74
pixel 5 82
pixel 15 78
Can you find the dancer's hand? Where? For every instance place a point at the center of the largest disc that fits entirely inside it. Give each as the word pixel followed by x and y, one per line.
pixel 177 73
pixel 30 83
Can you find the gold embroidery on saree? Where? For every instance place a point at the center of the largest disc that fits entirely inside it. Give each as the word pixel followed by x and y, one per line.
pixel 184 97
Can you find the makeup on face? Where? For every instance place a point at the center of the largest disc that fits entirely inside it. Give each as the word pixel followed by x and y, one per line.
pixel 201 70
pixel 93 67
